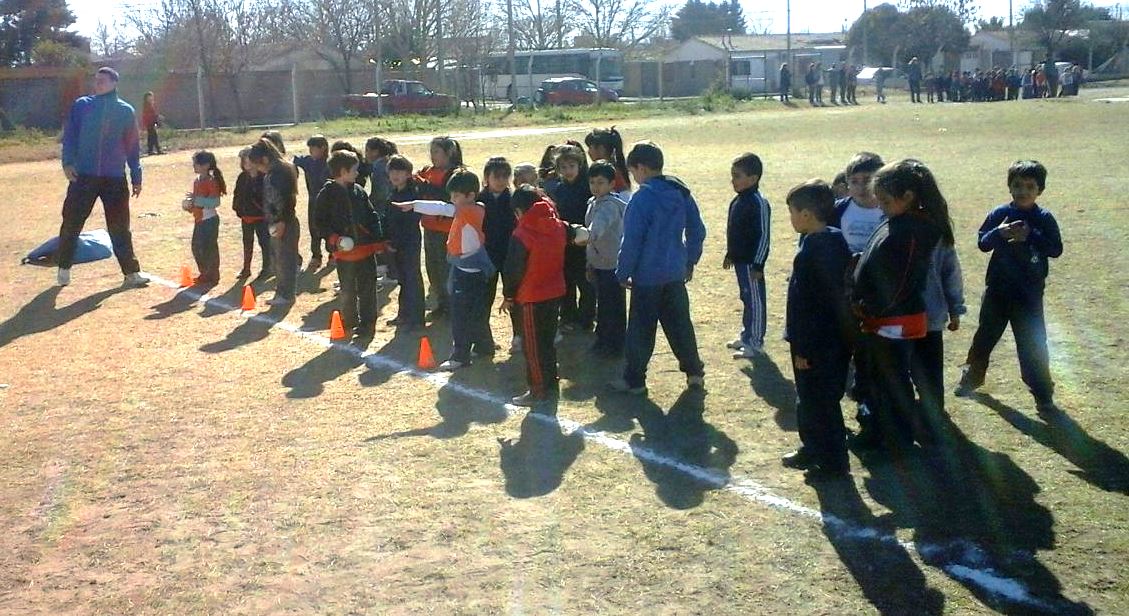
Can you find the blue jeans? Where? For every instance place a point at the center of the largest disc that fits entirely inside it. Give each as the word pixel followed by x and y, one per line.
pixel 668 304
pixel 470 316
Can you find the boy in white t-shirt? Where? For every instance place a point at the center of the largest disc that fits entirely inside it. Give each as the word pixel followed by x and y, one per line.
pixel 858 214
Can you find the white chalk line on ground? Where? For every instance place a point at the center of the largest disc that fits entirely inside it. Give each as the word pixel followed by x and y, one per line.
pixel 975 569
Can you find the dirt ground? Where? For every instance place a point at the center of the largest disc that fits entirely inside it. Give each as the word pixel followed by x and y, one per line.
pixel 164 454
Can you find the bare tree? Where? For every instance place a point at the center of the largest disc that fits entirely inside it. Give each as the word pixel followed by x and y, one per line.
pixel 341 32
pixel 108 43
pixel 543 24
pixel 622 24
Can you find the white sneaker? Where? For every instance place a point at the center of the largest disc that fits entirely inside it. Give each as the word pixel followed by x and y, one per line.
pixel 735 344
pixel 748 352
pixel 135 280
pixel 558 339
pixel 63 277
pixel 451 365
pixel 516 344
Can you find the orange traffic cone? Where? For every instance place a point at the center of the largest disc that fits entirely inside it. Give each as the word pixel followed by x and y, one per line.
pixel 426 358
pixel 248 298
pixel 336 328
pixel 185 276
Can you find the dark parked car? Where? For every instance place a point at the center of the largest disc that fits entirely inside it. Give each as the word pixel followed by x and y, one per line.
pixel 399 96
pixel 573 91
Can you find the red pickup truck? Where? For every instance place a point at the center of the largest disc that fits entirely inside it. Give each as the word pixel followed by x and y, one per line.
pixel 399 96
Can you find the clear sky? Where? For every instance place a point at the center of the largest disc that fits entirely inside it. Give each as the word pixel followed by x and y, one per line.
pixel 807 15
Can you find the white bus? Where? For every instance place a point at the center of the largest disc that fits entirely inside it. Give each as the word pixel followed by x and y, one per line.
pixel 603 66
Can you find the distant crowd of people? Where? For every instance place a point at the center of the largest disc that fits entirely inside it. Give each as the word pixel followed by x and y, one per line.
pixel 840 79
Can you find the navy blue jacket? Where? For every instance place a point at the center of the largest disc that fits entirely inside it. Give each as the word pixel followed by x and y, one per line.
pixel 663 233
pixel 1020 267
pixel 317 174
pixel 571 198
pixel 891 274
pixel 818 314
pixel 100 138
pixel 403 227
pixel 748 231
pixel 498 225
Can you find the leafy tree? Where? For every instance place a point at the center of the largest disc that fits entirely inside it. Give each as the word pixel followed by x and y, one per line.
pixel 995 24
pixel 696 18
pixel 965 10
pixel 1049 21
pixel 881 25
pixel 926 30
pixel 25 23
pixel 49 52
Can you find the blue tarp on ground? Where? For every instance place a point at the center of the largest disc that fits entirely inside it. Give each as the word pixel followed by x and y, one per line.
pixel 92 246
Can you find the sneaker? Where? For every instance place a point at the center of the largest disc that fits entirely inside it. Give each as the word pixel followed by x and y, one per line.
pixel 866 440
pixel 280 301
pixel 451 365
pixel 395 322
pixel 243 273
pixel 315 264
pixel 750 351
pixel 528 400
pixel 135 280
pixel 799 459
pixel 1047 408
pixel 695 381
pixel 559 338
pixel 825 472
pixel 736 344
pixel 968 383
pixel 63 277
pixel 516 344
pixel 623 387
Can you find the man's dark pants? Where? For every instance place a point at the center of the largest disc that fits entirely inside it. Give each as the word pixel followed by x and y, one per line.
pixel 81 195
pixel 819 415
pixel 668 304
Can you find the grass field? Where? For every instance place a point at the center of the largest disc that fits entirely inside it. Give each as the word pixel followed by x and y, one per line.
pixel 164 454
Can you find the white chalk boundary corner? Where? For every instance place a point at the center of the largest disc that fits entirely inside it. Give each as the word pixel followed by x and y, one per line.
pixel 968 564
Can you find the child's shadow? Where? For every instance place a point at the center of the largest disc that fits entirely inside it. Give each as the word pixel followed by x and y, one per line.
pixel 184 300
pixel 42 315
pixel 1099 464
pixel 457 412
pixel 770 385
pixel 308 381
pixel 252 330
pixel 671 442
pixel 535 464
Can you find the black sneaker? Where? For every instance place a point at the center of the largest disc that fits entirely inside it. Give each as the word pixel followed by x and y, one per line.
pixel 827 472
pixel 867 440
pixel 1047 408
pixel 799 459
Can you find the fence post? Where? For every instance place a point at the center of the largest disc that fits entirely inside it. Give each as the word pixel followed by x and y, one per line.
pixel 294 91
pixel 660 80
pixel 200 96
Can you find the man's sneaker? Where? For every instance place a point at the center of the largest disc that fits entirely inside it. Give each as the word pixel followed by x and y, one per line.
pixel 280 301
pixel 63 277
pixel 528 400
pixel 735 344
pixel 516 344
pixel 135 280
pixel 559 338
pixel 695 381
pixel 799 459
pixel 623 387
pixel 1047 408
pixel 749 351
pixel 451 365
pixel 968 384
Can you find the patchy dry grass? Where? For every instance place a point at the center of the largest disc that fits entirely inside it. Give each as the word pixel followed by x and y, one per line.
pixel 166 456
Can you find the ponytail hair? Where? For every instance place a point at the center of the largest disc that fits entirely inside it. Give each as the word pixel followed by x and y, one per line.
pixel 204 157
pixel 910 175
pixel 610 139
pixel 452 149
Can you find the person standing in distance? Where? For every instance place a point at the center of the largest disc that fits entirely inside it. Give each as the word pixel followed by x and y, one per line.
pixel 100 139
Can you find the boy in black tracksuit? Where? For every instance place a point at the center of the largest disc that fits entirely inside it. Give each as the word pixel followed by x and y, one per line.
pixel 747 245
pixel 353 229
pixel 406 242
pixel 818 328
pixel 1021 237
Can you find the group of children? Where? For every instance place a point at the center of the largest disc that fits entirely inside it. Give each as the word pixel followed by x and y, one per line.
pixel 875 279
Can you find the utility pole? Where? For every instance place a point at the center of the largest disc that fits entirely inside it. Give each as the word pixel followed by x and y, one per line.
pixel 1011 31
pixel 439 42
pixel 510 51
pixel 379 59
pixel 865 35
pixel 789 35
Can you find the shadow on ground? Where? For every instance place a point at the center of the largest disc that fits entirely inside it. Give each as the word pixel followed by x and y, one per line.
pixel 42 314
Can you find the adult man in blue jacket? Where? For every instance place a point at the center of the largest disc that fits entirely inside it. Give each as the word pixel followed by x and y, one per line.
pixel 663 235
pixel 100 138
